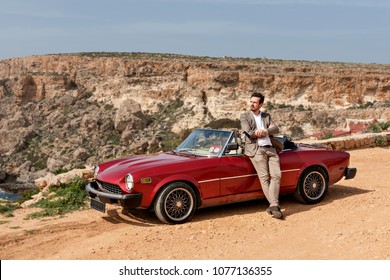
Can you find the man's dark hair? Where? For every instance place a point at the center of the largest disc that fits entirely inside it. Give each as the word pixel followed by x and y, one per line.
pixel 259 95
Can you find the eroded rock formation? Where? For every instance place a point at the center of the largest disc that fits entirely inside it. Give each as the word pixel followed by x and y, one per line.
pixel 68 110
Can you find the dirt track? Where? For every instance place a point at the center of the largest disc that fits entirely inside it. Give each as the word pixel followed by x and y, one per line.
pixel 351 223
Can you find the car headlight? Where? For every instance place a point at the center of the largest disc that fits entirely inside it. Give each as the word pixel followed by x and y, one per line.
pixel 129 182
pixel 95 171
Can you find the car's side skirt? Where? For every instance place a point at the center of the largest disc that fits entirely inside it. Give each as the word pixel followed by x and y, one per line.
pixel 231 199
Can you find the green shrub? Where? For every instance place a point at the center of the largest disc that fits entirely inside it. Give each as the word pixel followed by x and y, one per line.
pixel 27 195
pixel 328 135
pixel 7 207
pixel 379 141
pixel 63 199
pixel 384 125
pixel 60 171
pixel 374 128
pixel 270 106
pixel 114 138
pixel 284 106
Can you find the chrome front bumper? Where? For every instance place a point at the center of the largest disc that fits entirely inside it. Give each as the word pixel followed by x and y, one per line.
pixel 127 201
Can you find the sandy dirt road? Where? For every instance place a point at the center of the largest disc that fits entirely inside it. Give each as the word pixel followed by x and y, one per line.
pixel 351 223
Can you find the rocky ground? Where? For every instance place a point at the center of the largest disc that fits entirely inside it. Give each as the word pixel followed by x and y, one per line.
pixel 351 223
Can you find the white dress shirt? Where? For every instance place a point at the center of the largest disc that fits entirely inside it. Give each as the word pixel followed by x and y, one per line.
pixel 263 141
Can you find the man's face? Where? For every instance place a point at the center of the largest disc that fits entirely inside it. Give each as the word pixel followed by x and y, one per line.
pixel 255 104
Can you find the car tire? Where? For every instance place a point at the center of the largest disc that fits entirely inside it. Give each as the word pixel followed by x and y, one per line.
pixel 312 186
pixel 175 204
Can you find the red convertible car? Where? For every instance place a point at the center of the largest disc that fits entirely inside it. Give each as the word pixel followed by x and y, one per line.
pixel 209 168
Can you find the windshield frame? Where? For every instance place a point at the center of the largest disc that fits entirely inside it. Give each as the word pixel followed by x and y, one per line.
pixel 205 142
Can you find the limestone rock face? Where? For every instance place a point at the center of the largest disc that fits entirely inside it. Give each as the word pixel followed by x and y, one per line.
pixel 150 79
pixel 129 116
pixel 73 109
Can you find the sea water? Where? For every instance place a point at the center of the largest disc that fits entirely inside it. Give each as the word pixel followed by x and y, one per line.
pixel 8 196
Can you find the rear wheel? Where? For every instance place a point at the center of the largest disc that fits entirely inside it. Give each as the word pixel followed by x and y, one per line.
pixel 312 186
pixel 176 204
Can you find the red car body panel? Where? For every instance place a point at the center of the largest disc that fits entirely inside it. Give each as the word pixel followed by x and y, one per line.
pixel 211 164
pixel 218 180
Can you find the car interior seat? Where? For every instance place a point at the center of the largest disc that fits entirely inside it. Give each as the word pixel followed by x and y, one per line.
pixel 240 147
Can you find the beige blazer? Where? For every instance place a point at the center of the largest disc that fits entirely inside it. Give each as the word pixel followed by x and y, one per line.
pixel 248 126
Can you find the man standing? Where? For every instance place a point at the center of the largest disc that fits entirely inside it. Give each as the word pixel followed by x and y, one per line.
pixel 258 127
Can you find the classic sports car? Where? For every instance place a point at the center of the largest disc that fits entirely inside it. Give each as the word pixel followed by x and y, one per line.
pixel 209 168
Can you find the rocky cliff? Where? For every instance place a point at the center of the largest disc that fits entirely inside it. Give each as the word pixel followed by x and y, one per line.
pixel 62 111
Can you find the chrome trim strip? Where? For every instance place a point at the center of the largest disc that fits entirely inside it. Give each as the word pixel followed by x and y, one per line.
pixel 236 177
pixel 227 178
pixel 291 170
pixel 242 176
pixel 207 181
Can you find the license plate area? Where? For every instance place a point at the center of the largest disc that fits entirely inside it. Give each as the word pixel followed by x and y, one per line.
pixel 98 205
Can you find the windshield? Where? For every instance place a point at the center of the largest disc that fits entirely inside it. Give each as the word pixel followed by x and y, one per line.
pixel 205 142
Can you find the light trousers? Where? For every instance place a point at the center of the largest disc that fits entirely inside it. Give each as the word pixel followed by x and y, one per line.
pixel 267 165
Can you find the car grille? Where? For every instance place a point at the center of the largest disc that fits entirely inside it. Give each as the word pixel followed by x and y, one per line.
pixel 110 187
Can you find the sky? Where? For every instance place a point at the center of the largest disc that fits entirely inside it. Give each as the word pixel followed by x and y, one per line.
pixel 355 31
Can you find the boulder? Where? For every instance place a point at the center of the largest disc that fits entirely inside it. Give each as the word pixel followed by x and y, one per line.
pixel 81 154
pixel 129 116
pixel 54 164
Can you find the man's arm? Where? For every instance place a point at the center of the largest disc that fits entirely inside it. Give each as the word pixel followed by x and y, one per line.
pixel 245 126
pixel 272 128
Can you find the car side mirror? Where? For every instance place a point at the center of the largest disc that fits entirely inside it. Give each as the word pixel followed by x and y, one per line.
pixel 232 147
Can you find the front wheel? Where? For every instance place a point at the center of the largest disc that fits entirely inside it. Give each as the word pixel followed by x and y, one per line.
pixel 312 186
pixel 175 204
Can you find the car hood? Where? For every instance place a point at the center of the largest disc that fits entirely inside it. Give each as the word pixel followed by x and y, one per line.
pixel 114 171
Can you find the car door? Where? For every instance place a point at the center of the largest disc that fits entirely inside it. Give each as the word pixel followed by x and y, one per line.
pixel 237 175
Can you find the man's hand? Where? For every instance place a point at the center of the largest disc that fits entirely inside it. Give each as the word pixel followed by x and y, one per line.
pixel 261 133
